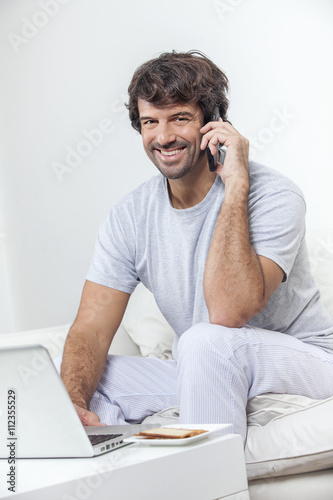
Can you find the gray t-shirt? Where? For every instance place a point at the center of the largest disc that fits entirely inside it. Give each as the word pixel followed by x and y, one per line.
pixel 145 239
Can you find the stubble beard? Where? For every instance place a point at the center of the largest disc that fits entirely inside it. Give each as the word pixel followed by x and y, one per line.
pixel 168 171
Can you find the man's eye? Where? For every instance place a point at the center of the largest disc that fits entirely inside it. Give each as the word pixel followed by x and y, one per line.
pixel 181 119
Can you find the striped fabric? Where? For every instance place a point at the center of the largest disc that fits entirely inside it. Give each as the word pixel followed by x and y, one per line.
pixel 131 388
pixel 220 368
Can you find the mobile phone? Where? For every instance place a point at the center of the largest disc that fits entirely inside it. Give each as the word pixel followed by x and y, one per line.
pixel 212 159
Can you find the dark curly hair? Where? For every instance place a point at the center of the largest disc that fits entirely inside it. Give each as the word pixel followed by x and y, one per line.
pixel 179 77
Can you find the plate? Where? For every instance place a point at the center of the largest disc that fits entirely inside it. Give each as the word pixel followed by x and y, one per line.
pixel 210 428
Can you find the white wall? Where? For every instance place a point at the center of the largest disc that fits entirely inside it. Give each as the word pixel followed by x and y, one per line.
pixel 66 66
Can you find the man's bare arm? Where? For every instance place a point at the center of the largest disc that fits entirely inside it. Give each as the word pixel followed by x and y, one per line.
pixel 99 316
pixel 237 282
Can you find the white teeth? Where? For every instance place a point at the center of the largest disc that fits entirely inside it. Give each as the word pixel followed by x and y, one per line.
pixel 170 153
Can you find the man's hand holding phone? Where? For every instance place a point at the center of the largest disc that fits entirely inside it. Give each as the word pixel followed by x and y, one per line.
pixel 236 161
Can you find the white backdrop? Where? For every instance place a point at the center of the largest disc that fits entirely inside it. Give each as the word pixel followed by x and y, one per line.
pixel 66 65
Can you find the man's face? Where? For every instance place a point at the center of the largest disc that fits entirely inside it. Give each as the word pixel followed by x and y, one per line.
pixel 171 137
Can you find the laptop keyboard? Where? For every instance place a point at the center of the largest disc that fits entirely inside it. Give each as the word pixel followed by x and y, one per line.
pixel 101 438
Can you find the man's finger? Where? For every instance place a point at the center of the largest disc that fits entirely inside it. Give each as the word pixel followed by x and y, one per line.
pixel 88 417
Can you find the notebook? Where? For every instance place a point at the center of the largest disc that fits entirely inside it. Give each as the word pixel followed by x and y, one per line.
pixel 37 417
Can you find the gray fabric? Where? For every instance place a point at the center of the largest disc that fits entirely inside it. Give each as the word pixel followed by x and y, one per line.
pixel 145 239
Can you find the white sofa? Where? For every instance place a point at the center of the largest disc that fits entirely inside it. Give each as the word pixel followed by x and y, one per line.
pixel 289 449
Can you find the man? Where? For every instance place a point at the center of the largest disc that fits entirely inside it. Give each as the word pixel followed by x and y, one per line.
pixel 223 253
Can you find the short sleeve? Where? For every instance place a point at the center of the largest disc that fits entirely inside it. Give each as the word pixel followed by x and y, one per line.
pixel 113 262
pixel 277 226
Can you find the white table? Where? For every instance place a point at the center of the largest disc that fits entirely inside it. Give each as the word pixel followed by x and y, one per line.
pixel 207 470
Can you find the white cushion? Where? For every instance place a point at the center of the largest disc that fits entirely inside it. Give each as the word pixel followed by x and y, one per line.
pixel 52 338
pixel 146 325
pixel 123 345
pixel 288 435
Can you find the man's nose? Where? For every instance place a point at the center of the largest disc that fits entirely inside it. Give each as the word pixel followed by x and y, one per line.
pixel 166 134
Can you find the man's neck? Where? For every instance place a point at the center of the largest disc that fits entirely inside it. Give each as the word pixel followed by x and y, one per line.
pixel 190 190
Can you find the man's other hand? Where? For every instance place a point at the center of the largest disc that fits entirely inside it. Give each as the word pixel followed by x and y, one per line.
pixel 87 417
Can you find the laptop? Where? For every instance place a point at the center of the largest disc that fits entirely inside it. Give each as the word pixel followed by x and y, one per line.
pixel 37 417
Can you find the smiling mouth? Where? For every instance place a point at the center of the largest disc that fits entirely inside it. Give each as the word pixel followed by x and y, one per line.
pixel 170 153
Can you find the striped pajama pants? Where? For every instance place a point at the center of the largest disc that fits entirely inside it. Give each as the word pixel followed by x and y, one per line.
pixel 217 370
